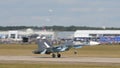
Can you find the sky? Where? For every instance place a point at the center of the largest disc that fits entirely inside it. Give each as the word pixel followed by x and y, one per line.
pixel 93 13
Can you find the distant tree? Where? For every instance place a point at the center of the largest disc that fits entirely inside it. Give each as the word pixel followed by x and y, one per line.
pixel 55 28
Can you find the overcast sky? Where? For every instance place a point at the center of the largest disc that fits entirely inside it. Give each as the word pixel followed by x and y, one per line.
pixel 95 13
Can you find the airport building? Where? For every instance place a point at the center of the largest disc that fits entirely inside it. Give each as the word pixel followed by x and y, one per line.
pixel 17 35
pixel 102 36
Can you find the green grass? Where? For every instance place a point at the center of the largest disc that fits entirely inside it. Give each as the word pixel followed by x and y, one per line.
pixel 86 51
pixel 58 66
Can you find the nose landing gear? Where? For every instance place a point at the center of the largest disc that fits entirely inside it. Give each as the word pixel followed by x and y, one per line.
pixel 58 55
pixel 54 55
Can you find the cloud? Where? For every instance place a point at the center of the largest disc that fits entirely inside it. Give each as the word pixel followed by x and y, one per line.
pixel 8 2
pixel 66 1
pixel 80 9
pixel 59 12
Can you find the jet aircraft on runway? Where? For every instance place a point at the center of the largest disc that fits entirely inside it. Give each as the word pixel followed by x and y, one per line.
pixel 45 47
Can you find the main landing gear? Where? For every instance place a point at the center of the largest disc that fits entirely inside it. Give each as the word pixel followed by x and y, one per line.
pixel 54 55
pixel 75 51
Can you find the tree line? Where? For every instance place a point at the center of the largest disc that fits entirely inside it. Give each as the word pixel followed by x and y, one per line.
pixel 56 28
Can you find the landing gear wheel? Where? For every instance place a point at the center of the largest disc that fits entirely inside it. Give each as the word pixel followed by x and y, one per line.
pixel 75 52
pixel 53 55
pixel 58 55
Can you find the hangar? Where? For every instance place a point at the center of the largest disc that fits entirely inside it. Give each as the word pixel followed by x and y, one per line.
pixel 102 36
pixel 17 35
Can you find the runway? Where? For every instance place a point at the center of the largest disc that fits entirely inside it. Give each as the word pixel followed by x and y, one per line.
pixel 59 60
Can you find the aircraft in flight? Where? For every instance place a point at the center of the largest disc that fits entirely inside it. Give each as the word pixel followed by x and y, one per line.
pixel 45 47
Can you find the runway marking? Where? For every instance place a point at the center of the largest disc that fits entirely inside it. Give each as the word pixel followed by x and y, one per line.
pixel 64 59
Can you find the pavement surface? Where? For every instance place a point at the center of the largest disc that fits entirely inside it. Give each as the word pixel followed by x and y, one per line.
pixel 59 60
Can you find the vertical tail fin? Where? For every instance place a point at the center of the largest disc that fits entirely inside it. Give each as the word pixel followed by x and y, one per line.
pixel 43 43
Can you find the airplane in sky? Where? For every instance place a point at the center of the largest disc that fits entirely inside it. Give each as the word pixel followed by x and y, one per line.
pixel 45 47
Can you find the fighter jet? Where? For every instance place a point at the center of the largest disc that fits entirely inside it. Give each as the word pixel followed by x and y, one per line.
pixel 45 47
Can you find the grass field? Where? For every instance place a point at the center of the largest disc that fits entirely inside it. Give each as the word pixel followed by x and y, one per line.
pixel 86 51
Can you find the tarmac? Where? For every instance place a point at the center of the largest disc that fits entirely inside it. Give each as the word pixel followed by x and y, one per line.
pixel 59 60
